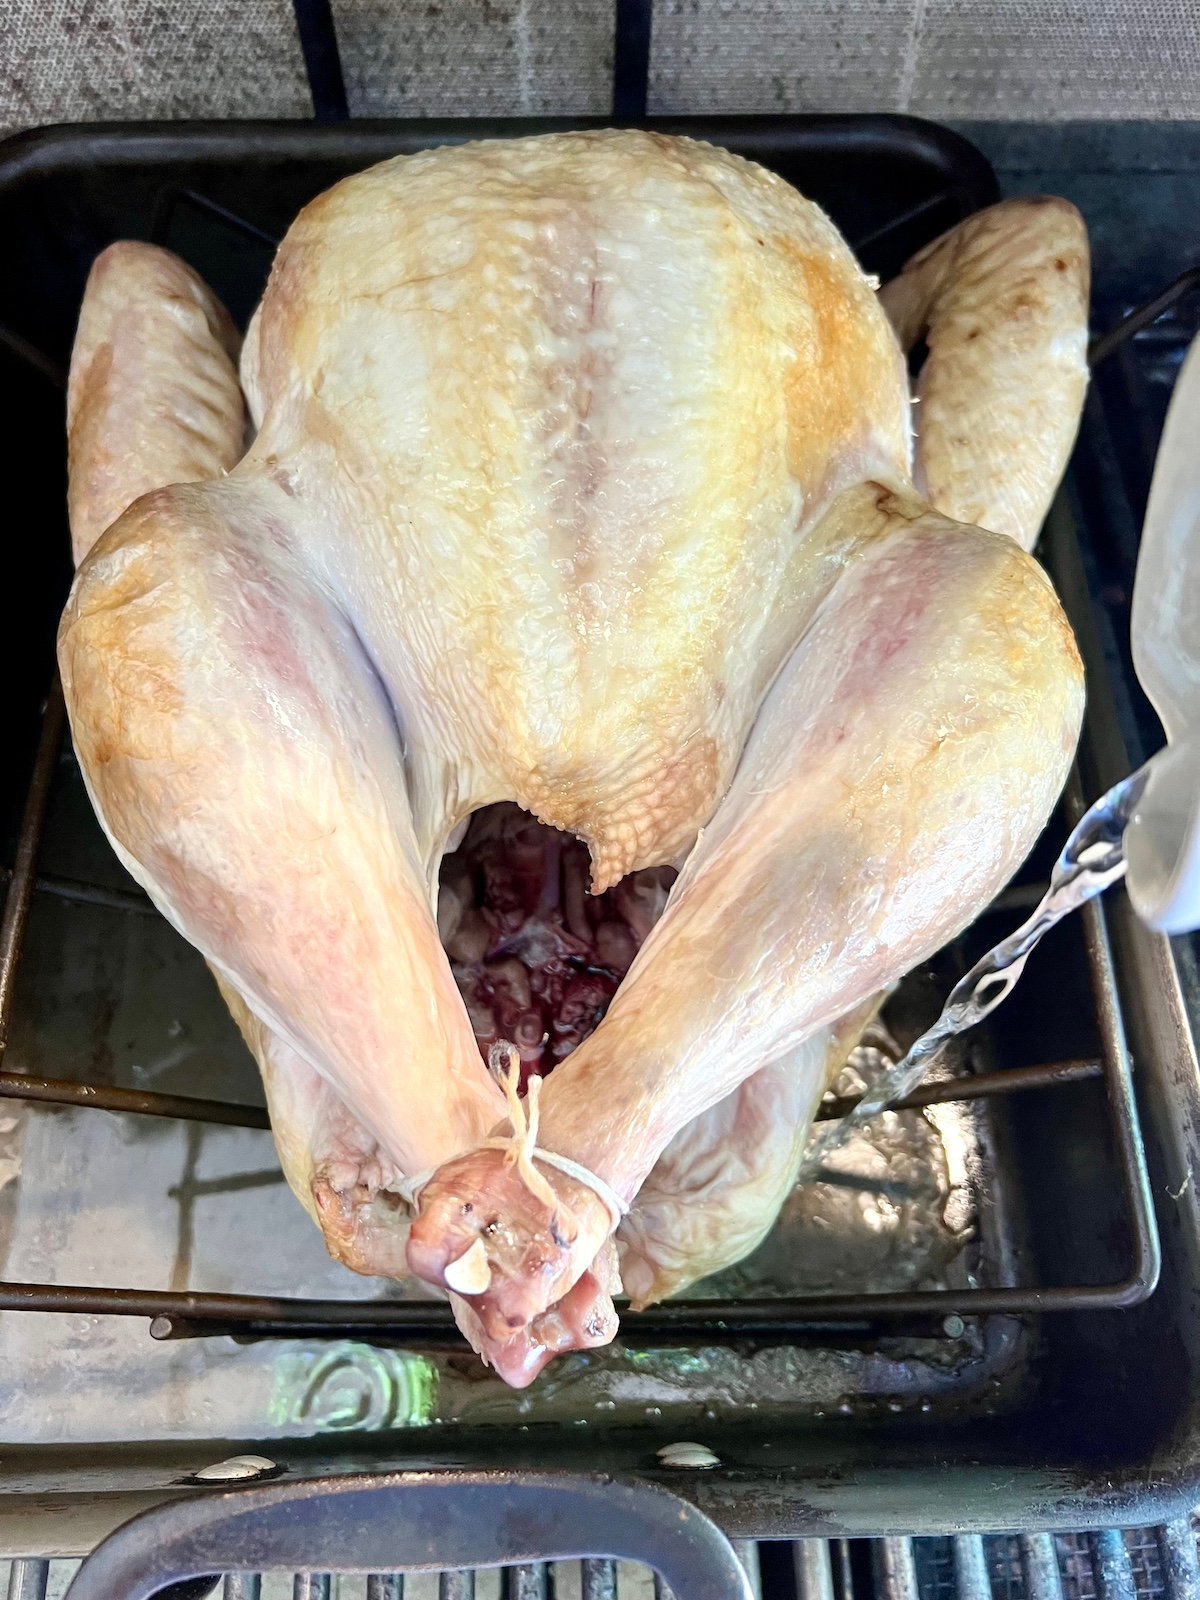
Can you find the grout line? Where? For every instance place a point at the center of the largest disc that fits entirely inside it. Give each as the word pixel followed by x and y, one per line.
pixel 908 65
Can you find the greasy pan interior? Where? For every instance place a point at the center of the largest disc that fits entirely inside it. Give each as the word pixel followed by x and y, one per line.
pixel 1075 1417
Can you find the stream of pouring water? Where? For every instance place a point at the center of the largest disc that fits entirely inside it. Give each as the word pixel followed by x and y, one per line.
pixel 1092 858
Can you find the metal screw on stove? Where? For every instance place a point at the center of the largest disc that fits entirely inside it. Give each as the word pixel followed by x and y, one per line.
pixel 237 1469
pixel 685 1454
pixel 953 1326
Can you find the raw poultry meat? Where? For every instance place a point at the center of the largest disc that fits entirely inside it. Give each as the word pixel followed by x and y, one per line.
pixel 536 958
pixel 582 483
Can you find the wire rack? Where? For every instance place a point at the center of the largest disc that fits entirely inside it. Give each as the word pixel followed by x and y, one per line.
pixel 858 1317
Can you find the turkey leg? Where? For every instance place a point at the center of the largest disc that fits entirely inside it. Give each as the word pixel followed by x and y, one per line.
pixel 900 769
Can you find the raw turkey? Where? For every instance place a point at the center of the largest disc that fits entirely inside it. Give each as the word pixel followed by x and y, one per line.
pixel 582 481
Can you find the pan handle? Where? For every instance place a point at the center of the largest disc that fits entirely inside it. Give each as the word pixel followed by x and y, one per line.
pixel 413 1522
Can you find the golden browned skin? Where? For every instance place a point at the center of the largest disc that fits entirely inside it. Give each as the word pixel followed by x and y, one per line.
pixel 581 460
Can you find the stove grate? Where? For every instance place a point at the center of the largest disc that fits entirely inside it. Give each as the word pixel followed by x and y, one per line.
pixel 1109 1565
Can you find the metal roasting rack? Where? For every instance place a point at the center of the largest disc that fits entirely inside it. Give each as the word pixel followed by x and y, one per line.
pixel 825 1317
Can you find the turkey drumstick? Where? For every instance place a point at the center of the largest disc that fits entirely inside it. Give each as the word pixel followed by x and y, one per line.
pixel 154 396
pixel 899 771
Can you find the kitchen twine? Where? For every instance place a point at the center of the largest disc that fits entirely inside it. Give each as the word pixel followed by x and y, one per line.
pixel 521 1149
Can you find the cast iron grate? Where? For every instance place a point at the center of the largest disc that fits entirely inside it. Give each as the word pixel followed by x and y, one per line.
pixel 1108 1565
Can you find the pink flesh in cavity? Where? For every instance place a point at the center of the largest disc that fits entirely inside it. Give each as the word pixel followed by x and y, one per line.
pixel 536 957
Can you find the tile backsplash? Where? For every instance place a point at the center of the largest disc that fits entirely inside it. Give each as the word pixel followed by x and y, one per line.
pixel 1018 60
